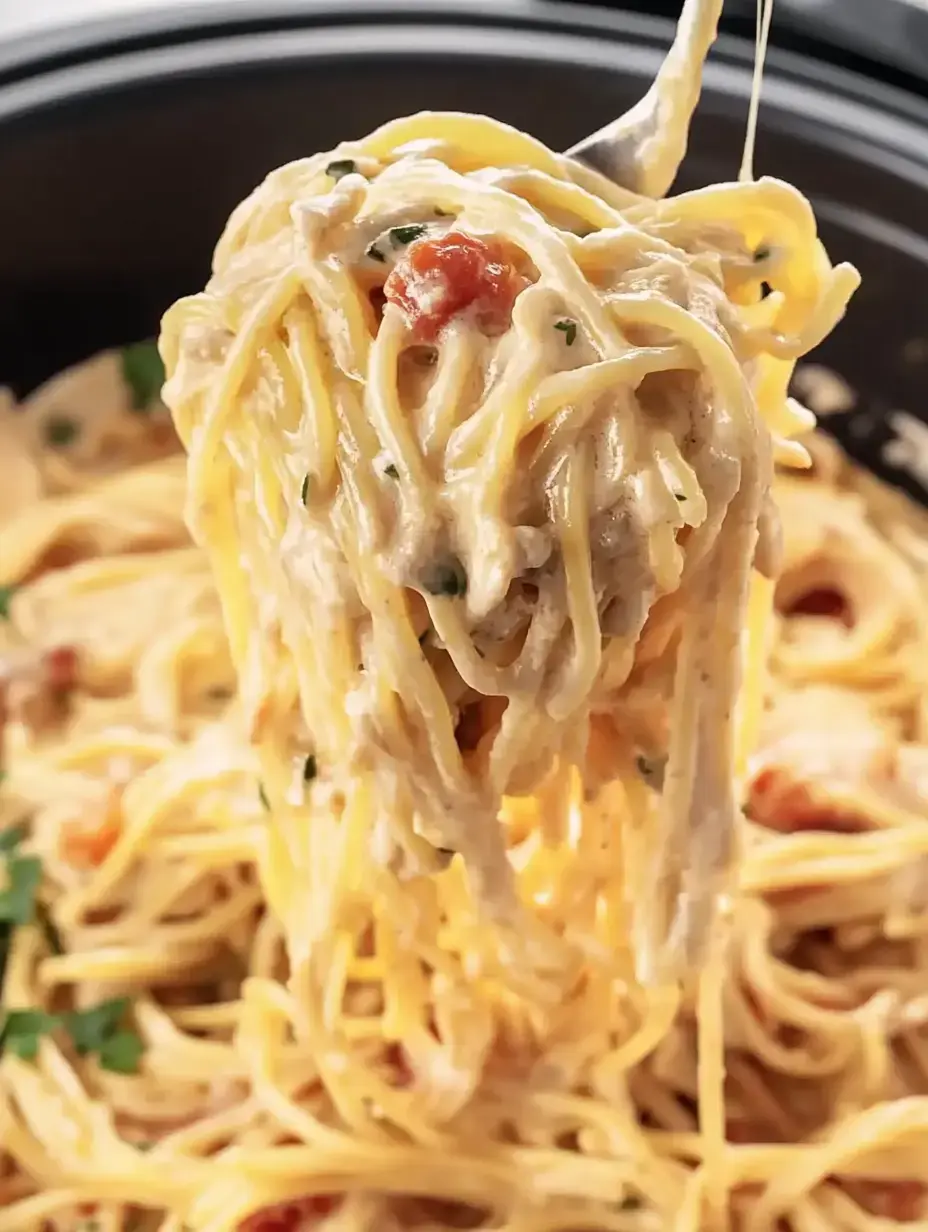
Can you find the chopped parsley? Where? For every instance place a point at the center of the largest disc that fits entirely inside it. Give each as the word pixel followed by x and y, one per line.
pixel 568 329
pixel 341 167
pixel 310 769
pixel 17 900
pixel 399 236
pixel 11 838
pixel 22 1030
pixel 6 595
pixel 96 1031
pixel 391 471
pixel 143 372
pixel 60 431
pixel 446 577
pixel 304 490
pixel 121 1053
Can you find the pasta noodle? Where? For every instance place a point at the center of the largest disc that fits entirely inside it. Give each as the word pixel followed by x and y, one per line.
pixel 344 881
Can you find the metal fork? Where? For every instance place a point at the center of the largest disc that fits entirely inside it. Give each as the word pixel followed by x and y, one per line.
pixel 643 149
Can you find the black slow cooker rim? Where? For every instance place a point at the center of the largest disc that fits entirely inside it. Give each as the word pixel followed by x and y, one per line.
pixel 66 65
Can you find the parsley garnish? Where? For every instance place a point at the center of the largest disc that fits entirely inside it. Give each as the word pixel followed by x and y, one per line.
pixel 17 901
pixel 21 877
pixel 375 254
pixel 304 490
pixel 60 431
pixel 341 167
pixel 391 471
pixel 143 372
pixel 91 1029
pixel 95 1030
pixel 22 1030
pixel 568 329
pixel 448 577
pixel 6 594
pixel 405 235
pixel 12 837
pixel 121 1053
pixel 309 768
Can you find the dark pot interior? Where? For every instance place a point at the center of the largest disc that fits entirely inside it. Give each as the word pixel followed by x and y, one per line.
pixel 120 165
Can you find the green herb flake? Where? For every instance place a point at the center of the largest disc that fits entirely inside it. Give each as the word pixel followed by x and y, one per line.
pixel 262 796
pixel 22 1030
pixel 121 1053
pixel 375 254
pixel 60 431
pixel 391 471
pixel 11 837
pixel 304 491
pixel 6 596
pixel 400 236
pixel 310 769
pixel 143 372
pixel 92 1028
pixel 341 167
pixel 568 329
pixel 447 578
pixel 17 901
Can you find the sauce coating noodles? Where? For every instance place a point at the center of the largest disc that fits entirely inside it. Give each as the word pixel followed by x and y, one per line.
pixel 357 855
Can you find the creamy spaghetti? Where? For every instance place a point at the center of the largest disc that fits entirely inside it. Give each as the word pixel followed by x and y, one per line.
pixel 350 853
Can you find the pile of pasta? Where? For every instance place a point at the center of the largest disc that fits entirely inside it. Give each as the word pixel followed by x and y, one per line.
pixel 158 1070
pixel 441 1103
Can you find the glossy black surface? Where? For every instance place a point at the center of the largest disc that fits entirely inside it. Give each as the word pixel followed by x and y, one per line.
pixel 121 157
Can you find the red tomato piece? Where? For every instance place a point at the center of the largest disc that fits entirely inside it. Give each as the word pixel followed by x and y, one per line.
pixel 438 279
pixel 291 1216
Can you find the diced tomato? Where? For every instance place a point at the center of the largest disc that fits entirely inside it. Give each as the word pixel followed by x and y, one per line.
pixel 903 1201
pixel 437 279
pixel 781 802
pixel 291 1216
pixel 88 840
pixel 823 601
pixel 59 668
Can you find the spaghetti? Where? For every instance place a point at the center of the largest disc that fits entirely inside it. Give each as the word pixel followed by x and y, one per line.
pixel 319 882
